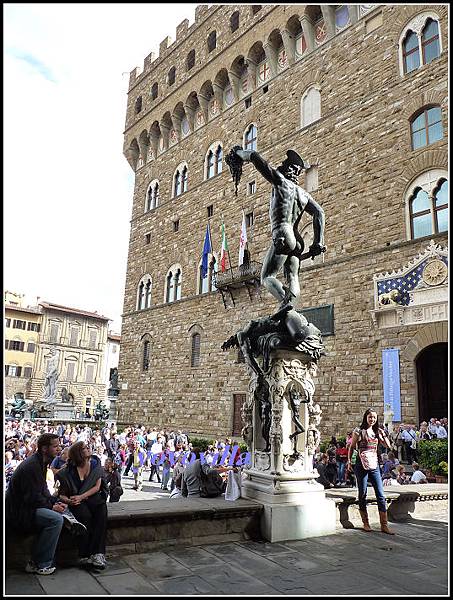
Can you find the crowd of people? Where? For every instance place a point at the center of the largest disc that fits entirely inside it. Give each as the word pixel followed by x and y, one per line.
pixel 63 475
pixel 404 440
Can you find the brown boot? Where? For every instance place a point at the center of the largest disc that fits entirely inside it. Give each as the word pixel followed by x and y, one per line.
pixel 366 523
pixel 384 523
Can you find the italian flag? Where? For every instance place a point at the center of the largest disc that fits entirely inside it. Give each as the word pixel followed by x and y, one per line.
pixel 224 251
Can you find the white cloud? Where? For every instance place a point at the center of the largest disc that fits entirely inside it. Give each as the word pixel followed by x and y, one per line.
pixel 68 189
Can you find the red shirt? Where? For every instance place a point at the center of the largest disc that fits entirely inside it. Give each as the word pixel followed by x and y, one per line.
pixel 342 454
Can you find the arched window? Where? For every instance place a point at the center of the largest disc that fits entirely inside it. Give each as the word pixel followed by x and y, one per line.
pixel 256 8
pixel 173 284
pixel 430 41
pixel 310 106
pixel 426 128
pixel 171 76
pixel 152 196
pixel 154 90
pixel 234 21
pixel 195 350
pixel 144 292
pixel 250 137
pixel 411 55
pixel 138 105
pixel 180 180
pixel 420 42
pixel 190 62
pixel 212 41
pixel 428 204
pixel 214 160
pixel 146 354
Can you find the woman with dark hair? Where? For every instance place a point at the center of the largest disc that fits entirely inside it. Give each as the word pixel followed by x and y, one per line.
pixel 82 487
pixel 366 439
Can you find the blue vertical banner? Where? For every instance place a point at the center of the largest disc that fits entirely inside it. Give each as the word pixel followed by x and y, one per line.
pixel 391 378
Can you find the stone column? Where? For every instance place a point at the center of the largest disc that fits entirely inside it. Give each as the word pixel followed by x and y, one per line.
pixel 281 428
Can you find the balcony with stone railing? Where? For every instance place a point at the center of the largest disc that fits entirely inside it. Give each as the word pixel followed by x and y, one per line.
pixel 65 341
pixel 247 275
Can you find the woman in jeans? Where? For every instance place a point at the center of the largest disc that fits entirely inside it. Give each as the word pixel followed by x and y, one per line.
pixel 366 439
pixel 83 488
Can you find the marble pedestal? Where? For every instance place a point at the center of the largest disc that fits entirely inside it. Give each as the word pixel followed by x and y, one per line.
pixel 63 410
pixel 281 475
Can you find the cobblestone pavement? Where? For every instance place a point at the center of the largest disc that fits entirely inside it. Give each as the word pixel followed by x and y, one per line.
pixel 350 562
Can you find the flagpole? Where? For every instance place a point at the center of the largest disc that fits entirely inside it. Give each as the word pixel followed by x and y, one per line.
pixel 228 251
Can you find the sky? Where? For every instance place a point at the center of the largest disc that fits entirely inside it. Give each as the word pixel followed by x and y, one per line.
pixel 67 186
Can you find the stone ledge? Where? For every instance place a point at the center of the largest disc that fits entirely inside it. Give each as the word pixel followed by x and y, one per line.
pixel 402 500
pixel 139 526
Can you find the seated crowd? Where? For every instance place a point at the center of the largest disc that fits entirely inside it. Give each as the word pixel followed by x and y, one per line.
pixel 60 475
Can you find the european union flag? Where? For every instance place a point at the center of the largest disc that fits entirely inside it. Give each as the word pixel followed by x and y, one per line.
pixel 207 249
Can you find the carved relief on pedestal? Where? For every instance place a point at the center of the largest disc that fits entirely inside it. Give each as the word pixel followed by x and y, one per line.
pixel 262 461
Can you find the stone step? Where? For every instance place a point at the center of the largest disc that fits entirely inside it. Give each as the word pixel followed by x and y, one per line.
pixel 144 525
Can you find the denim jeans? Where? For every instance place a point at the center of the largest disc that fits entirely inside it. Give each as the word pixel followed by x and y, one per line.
pixel 165 477
pixel 374 475
pixel 49 523
pixel 341 470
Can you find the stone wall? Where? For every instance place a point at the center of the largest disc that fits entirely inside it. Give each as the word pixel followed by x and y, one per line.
pixel 363 150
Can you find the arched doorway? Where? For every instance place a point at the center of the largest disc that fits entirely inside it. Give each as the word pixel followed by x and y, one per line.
pixel 432 381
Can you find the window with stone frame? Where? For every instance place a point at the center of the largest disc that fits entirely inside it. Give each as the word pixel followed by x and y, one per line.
pixel 428 209
pixel 234 21
pixel 190 61
pixel 144 292
pixel 173 284
pixel 251 137
pixel 146 353
pixel 430 41
pixel 70 370
pixel 138 105
pixel 411 53
pixel 256 9
pixel 212 41
pixel 27 372
pixel 214 160
pixel 154 90
pixel 90 372
pixel 195 350
pixel 310 106
pixel 420 42
pixel 152 196
pixel 171 77
pixel 426 127
pixel 180 180
pixel 74 336
pixel 31 347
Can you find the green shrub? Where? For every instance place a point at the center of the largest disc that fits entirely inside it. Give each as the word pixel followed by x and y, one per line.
pixel 201 443
pixel 443 468
pixel 432 452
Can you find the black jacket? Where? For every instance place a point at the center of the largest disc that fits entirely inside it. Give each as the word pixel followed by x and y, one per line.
pixel 26 492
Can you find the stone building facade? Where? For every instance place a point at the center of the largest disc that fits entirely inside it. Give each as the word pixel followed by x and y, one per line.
pixel 360 91
pixel 22 327
pixel 80 337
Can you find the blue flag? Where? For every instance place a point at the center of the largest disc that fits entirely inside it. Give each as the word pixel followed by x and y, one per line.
pixel 206 251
